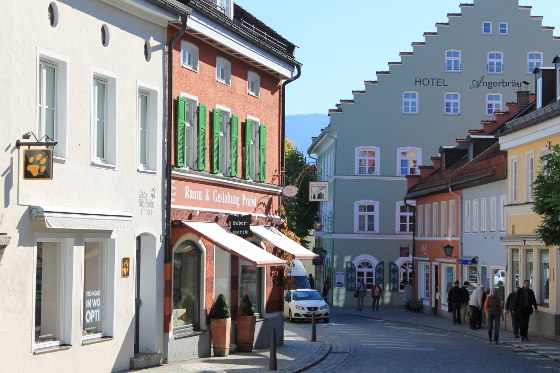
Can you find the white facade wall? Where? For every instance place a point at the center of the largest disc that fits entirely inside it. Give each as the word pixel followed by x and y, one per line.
pixel 74 46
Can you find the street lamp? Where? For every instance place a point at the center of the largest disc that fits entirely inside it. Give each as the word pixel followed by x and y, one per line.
pixel 448 249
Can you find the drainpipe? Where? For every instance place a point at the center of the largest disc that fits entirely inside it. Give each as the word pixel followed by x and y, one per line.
pixel 168 160
pixel 283 130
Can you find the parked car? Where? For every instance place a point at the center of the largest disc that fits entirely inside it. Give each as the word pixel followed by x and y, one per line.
pixel 303 303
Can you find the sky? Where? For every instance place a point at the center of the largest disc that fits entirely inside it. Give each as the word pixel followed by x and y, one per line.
pixel 343 43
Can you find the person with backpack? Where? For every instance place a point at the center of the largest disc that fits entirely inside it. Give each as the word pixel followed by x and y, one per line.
pixel 493 310
pixel 454 298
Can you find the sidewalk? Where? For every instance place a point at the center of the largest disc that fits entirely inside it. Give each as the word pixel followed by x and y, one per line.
pixel 547 348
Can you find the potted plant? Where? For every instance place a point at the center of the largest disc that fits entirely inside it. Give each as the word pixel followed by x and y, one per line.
pixel 246 320
pixel 220 325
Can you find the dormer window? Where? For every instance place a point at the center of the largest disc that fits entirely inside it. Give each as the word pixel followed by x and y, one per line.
pixel 224 6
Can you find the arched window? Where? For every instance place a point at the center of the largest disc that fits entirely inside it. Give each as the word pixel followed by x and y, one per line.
pixel 186 287
pixel 366 271
pixel 406 275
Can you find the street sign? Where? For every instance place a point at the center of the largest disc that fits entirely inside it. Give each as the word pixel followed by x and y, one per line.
pixel 37 164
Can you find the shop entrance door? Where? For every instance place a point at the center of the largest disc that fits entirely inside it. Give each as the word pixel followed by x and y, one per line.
pixel 137 300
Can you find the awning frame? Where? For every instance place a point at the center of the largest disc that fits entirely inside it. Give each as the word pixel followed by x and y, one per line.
pixel 56 217
pixel 276 238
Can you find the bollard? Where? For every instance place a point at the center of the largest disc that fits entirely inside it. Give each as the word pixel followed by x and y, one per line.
pixel 313 328
pixel 272 364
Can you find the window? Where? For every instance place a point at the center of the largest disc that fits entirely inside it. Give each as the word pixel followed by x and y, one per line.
pixel 255 146
pixel 452 103
pixel 367 160
pixel 408 160
pixel 529 266
pixel 147 129
pixel 493 103
pixel 365 271
pixel 253 84
pixel 223 71
pixel 406 275
pixel 366 216
pixel 405 218
pixel 410 102
pixel 435 222
pixel 426 281
pixel 104 144
pixel 534 60
pixel 483 215
pixel 467 216
pixel 189 55
pixel 495 63
pixel 515 267
pixel 475 215
pixel 427 220
pixel 52 100
pixel 502 212
pixel 529 175
pixel 487 27
pixel 255 150
pixel 472 276
pixel 443 229
pixel 420 230
pixel 448 280
pixel 98 294
pixel 53 291
pixel 503 28
pixel 191 132
pixel 452 218
pixel 453 60
pixel 544 275
pixel 223 6
pixel 224 117
pixel 250 284
pixel 514 179
pixel 186 287
pixel 492 214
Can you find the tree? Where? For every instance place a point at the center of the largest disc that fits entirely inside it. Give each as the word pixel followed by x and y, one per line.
pixel 300 213
pixel 546 197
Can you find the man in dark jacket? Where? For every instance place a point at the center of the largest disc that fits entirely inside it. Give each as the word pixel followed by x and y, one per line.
pixel 523 304
pixel 514 315
pixel 465 295
pixel 454 302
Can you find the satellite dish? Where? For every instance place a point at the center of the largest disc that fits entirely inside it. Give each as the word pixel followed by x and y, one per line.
pixel 290 191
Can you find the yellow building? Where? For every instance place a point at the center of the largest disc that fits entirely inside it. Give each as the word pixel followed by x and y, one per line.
pixel 526 139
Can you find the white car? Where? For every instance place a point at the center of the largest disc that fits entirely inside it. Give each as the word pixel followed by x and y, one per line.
pixel 301 304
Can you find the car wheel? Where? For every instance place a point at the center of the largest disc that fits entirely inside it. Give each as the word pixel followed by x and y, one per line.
pixel 326 320
pixel 290 316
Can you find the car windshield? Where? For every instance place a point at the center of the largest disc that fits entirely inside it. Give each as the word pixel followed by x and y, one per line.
pixel 307 295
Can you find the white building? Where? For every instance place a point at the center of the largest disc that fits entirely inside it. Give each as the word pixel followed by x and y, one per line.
pixel 90 74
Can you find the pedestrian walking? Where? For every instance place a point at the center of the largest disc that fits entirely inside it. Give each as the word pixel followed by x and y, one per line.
pixel 475 303
pixel 326 288
pixel 464 301
pixel 493 310
pixel 454 298
pixel 523 304
pixel 311 281
pixel 514 316
pixel 361 293
pixel 480 318
pixel 376 293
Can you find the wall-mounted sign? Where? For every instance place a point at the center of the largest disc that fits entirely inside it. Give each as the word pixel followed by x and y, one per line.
pixel 125 267
pixel 405 251
pixel 37 164
pixel 318 191
pixel 290 190
pixel 240 225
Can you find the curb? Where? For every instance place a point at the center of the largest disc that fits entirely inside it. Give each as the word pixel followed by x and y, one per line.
pixel 528 349
pixel 316 358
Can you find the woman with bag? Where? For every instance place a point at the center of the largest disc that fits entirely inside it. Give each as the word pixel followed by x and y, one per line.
pixel 361 293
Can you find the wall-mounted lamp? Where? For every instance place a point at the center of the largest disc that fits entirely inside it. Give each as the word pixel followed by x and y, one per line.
pixel 448 249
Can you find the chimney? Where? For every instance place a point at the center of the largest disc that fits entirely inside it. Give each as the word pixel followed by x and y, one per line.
pixel 522 99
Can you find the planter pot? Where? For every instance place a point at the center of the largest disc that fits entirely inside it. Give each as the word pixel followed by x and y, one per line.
pixel 221 331
pixel 245 333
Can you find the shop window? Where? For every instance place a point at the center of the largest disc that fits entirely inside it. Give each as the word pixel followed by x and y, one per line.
pixel 529 267
pixel 250 284
pixel 448 280
pixel 365 271
pixel 544 272
pixel 186 287
pixel 406 274
pixel 472 277
pixel 426 281
pixel 515 268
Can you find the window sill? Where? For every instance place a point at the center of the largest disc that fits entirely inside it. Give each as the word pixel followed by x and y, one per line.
pixel 410 113
pixel 58 159
pixel 452 114
pixel 224 82
pixel 146 171
pixel 189 334
pixel 452 71
pixel 191 68
pixel 254 94
pixel 500 73
pixel 92 341
pixel 46 350
pixel 106 166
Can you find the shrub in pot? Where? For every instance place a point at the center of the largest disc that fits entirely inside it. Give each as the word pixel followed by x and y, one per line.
pixel 220 325
pixel 246 320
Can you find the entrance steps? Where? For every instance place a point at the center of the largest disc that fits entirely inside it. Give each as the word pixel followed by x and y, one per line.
pixel 145 360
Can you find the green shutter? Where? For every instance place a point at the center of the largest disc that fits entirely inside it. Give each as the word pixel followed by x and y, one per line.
pixel 393 277
pixel 262 152
pixel 234 145
pixel 380 274
pixel 350 276
pixel 216 141
pixel 180 143
pixel 248 149
pixel 201 156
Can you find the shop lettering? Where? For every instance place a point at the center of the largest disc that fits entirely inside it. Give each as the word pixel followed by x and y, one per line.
pixel 252 202
pixel 193 194
pixel 481 83
pixel 220 197
pixel 226 198
pixel 430 82
pixel 93 305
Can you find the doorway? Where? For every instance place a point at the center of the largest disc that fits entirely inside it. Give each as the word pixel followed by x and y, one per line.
pixel 145 295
